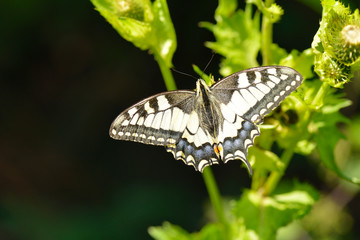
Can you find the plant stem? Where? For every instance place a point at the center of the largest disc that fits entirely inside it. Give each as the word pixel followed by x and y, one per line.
pixel 318 99
pixel 267 35
pixel 166 72
pixel 215 197
pixel 276 176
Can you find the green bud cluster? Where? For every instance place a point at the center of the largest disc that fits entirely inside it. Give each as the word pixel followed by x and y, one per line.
pixel 337 43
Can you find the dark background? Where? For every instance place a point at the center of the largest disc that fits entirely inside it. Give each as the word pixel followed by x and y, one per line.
pixel 65 75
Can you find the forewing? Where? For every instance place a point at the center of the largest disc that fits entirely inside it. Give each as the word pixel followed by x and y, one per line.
pixel 159 120
pixel 254 92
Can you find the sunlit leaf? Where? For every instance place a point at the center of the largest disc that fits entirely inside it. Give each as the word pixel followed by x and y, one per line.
pixel 301 61
pixel 264 215
pixel 169 231
pixel 147 25
pixel 264 160
pixel 237 39
pixel 328 134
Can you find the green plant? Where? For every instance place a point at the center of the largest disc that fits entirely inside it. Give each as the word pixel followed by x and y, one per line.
pixel 240 36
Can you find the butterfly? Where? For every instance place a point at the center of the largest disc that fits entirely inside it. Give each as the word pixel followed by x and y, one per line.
pixel 212 123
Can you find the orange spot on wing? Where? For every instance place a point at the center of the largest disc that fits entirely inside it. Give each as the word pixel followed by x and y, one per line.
pixel 218 149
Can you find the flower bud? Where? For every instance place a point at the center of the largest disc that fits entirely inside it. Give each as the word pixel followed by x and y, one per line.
pixel 337 43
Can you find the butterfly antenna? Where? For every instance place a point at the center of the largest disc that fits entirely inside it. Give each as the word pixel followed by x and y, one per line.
pixel 183 73
pixel 207 65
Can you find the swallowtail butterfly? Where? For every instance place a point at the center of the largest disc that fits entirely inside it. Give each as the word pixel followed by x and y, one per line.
pixel 212 123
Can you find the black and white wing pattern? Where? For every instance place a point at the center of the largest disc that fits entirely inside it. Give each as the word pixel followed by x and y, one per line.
pixel 213 123
pixel 158 120
pixel 254 92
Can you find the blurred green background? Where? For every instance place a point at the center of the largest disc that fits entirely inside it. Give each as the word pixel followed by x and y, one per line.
pixel 65 75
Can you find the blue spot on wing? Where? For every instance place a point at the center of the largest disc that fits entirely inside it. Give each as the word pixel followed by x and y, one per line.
pixel 192 155
pixel 232 145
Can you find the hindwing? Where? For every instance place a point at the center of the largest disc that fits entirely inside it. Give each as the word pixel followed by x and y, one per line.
pixel 235 137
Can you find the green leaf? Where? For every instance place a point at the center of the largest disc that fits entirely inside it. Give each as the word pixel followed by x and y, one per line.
pixel 326 140
pixel 147 25
pixel 237 39
pixel 209 232
pixel 263 160
pixel 131 18
pixel 225 9
pixel 164 31
pixel 278 53
pixel 169 231
pixel 263 216
pixel 353 132
pixel 301 61
pixel 335 104
pixel 305 147
pixel 327 133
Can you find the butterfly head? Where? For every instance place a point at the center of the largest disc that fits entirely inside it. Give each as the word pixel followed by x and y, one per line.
pixel 202 89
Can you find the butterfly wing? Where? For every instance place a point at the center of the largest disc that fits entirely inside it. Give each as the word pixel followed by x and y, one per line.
pixel 195 146
pixel 236 135
pixel 170 119
pixel 254 92
pixel 159 120
pixel 246 97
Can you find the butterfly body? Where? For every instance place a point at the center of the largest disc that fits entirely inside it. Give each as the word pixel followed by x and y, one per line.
pixel 212 123
pixel 208 109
